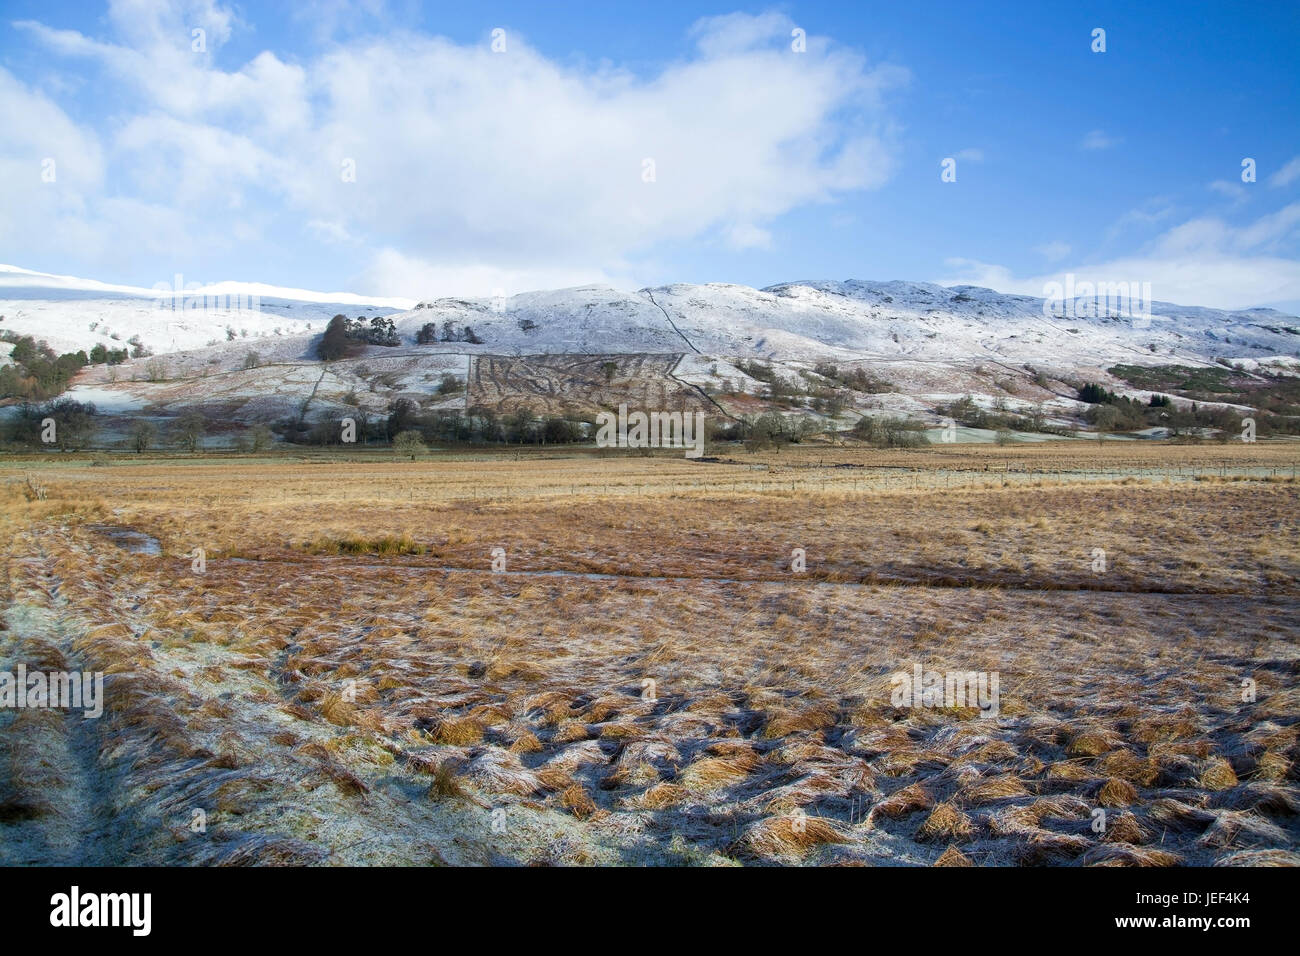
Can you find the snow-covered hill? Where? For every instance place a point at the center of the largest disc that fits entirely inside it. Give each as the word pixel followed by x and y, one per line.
pixel 795 321
pixel 243 354
pixel 806 320
pixel 72 313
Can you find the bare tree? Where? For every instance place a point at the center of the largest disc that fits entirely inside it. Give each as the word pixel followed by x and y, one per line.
pixel 144 434
pixel 189 431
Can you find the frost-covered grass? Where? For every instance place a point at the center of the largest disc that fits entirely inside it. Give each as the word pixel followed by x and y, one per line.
pixel 649 680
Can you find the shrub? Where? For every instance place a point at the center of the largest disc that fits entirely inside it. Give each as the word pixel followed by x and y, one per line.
pixel 890 432
pixel 409 443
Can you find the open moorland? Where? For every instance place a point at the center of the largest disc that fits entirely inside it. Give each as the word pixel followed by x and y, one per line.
pixel 580 658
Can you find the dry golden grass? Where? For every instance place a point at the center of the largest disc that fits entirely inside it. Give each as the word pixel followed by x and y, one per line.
pixel 675 687
pixel 953 857
pixel 790 836
pixel 1117 793
pixel 945 822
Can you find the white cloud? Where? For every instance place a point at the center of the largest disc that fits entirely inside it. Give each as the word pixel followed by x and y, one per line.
pixel 1203 261
pixel 391 269
pixel 1099 139
pixel 733 33
pixel 1288 174
pixel 327 19
pixel 973 155
pixel 471 160
pixel 748 236
pixel 328 231
pixel 36 129
pixel 1226 187
pixel 1054 250
pixel 1152 211
pixel 51 170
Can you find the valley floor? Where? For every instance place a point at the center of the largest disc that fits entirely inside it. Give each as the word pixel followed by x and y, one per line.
pixel 665 662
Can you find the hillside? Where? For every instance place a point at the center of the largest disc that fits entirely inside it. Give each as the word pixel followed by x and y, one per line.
pixel 245 353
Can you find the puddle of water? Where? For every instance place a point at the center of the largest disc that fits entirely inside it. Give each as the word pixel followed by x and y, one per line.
pixel 128 539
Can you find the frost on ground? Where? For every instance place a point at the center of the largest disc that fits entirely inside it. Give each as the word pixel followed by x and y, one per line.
pixel 649 682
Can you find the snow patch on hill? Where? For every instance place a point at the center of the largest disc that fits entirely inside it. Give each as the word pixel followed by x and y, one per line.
pixel 795 321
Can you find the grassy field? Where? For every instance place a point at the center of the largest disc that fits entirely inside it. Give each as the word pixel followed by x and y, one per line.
pixel 569 657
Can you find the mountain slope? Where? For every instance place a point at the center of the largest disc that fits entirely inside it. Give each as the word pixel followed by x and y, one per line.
pixel 808 320
pixel 790 321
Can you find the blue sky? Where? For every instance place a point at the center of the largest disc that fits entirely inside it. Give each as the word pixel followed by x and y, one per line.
pixel 476 170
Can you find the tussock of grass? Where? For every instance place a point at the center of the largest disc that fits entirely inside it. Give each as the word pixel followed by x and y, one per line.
pixel 263 851
pixel 1179 816
pixel 527 743
pixel 995 790
pixel 570 731
pixel 1068 773
pixel 446 783
pixel 338 711
pixel 1123 854
pixel 661 796
pixel 1117 793
pixel 1272 766
pixel 789 835
pixel 1126 765
pixel 953 857
pixel 499 771
pixel 1264 797
pixel 457 732
pixel 1092 743
pixel 576 800
pixel 554 778
pixel 1241 830
pixel 903 801
pixel 355 544
pixel 1260 858
pixel 1127 828
pixel 945 822
pixel 1218 775
pixel 713 773
pixel 1046 848
pixel 814 718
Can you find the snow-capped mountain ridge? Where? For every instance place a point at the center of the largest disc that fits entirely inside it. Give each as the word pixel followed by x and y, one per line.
pixel 18 278
pixel 800 321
